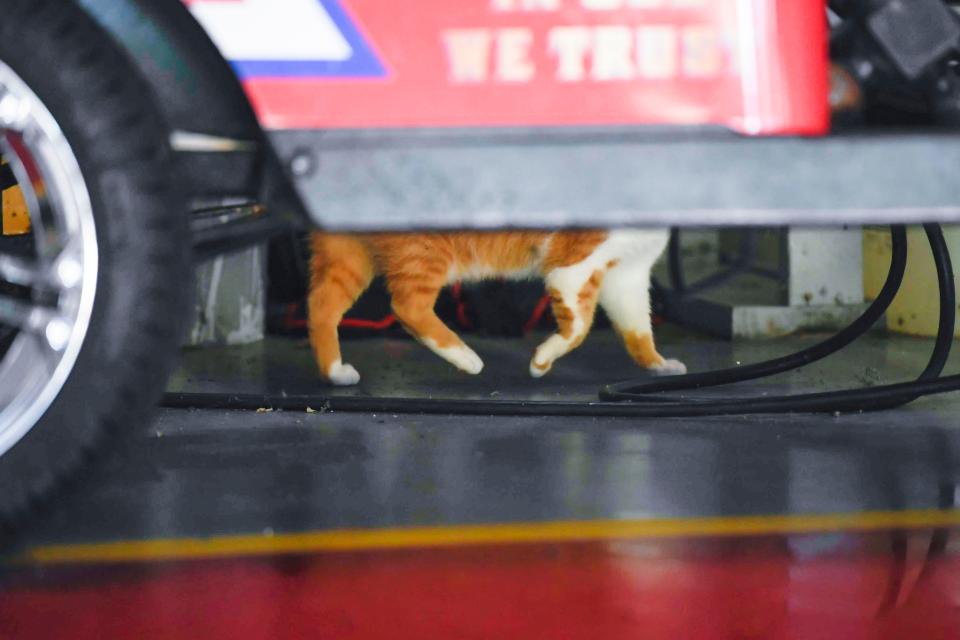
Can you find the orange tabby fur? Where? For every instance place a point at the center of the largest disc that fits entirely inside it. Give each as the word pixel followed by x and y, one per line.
pixel 417 266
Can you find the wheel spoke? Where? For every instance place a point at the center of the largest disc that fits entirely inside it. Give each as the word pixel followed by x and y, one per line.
pixel 31 361
pixel 20 271
pixel 18 314
pixel 63 273
pixel 37 320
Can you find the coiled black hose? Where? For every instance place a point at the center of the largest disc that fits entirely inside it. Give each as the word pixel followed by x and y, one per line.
pixel 880 397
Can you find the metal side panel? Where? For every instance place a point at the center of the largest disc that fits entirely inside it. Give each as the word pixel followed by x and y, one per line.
pixel 444 179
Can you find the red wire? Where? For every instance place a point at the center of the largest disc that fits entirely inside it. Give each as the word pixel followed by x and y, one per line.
pixel 461 307
pixel 377 325
pixel 537 314
pixel 291 321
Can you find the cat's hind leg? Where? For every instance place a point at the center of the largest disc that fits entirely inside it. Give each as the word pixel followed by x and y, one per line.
pixel 573 293
pixel 625 297
pixel 340 270
pixel 414 295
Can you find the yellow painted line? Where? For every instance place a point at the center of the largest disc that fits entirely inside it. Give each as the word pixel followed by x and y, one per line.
pixel 343 540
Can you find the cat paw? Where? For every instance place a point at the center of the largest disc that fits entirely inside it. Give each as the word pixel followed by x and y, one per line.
pixel 538 369
pixel 343 375
pixel 461 356
pixel 465 359
pixel 669 368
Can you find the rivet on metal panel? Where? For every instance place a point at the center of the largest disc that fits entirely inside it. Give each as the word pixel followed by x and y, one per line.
pixel 302 164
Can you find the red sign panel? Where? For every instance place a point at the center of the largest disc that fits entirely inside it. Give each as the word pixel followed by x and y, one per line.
pixel 758 66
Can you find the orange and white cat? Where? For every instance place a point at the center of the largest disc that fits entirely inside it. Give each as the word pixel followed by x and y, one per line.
pixel 580 270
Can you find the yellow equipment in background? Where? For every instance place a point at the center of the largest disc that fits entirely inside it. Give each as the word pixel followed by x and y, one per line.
pixel 916 308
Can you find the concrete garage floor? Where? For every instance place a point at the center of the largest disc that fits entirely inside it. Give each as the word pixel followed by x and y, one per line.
pixel 196 472
pixel 308 487
pixel 403 368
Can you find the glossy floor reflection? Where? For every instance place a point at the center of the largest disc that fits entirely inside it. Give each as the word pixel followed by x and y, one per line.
pixel 288 524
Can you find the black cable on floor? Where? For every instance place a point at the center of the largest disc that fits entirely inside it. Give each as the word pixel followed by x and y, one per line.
pixel 880 397
pixel 632 389
pixel 645 398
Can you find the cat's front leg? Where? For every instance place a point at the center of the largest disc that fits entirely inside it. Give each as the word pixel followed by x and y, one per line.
pixel 414 309
pixel 341 269
pixel 625 297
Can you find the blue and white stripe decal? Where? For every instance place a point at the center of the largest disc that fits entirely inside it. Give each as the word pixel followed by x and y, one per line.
pixel 288 38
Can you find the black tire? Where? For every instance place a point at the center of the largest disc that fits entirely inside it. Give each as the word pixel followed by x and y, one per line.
pixel 122 146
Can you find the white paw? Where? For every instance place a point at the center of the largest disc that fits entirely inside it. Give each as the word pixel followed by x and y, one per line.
pixel 463 358
pixel 343 375
pixel 539 370
pixel 669 368
pixel 460 356
pixel 547 353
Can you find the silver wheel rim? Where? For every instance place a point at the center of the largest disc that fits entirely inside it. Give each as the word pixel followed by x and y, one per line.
pixel 55 287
